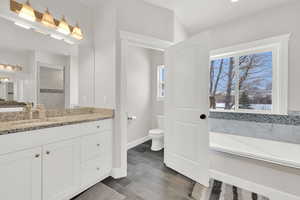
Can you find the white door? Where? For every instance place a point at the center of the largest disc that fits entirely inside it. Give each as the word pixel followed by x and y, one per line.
pixel 21 176
pixel 186 130
pixel 61 169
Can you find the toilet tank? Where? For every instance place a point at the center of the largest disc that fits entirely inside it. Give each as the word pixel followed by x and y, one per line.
pixel 160 121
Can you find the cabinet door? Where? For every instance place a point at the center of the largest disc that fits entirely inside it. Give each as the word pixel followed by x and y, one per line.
pixel 20 175
pixel 61 169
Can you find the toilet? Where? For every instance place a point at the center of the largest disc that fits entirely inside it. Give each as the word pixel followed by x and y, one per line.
pixel 157 135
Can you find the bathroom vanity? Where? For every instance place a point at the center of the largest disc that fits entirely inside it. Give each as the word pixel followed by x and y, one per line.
pixel 55 158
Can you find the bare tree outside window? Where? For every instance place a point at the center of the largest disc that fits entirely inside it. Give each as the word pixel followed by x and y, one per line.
pixel 222 81
pixel 253 82
pixel 255 85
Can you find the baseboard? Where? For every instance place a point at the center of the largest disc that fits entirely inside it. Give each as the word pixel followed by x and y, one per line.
pixel 137 142
pixel 117 173
pixel 251 186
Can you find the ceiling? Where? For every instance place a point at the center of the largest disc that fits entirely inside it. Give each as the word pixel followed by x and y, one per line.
pixel 197 15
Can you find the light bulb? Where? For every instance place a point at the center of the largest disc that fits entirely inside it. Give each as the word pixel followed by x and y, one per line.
pixel 27 12
pixel 48 19
pixel 63 27
pixel 77 33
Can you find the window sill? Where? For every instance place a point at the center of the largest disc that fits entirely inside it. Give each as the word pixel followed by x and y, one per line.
pixel 247 112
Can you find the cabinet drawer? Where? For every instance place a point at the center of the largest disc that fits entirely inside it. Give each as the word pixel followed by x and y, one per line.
pixel 96 146
pixel 93 170
pixel 92 127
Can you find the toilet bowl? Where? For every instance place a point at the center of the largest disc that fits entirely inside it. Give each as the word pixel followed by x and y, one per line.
pixel 157 135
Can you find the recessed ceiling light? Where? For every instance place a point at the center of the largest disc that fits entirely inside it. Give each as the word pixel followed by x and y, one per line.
pixel 234 1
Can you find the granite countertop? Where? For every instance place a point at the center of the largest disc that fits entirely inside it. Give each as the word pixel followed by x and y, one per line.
pixel 55 120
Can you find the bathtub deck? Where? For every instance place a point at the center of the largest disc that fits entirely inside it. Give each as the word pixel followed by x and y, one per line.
pixel 281 153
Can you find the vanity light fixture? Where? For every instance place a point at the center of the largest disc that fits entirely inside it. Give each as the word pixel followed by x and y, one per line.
pixel 40 31
pixel 4 79
pixel 10 68
pixel 77 33
pixel 69 42
pixel 27 12
pixel 22 25
pixel 63 27
pixel 48 19
pixel 57 37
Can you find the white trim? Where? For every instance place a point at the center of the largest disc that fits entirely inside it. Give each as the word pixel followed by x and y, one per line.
pixel 144 41
pixel 250 46
pixel 279 48
pixel 251 186
pixel 117 173
pixel 51 66
pixel 130 39
pixel 138 142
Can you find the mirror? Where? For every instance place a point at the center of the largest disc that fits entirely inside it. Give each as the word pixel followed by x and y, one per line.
pixel 35 69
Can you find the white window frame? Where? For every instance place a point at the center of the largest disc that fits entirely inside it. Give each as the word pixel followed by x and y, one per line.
pixel 279 47
pixel 159 97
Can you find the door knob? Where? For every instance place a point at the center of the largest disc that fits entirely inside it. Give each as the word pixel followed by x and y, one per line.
pixel 202 116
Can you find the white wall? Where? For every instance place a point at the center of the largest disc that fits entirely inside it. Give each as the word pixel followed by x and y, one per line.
pixel 180 32
pixel 105 55
pixel 139 92
pixel 143 18
pixel 273 22
pixel 86 75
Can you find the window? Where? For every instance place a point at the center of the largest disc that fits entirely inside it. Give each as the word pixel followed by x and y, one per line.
pixel 250 77
pixel 161 79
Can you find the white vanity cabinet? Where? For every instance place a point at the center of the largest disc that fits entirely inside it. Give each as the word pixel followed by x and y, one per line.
pixel 20 175
pixel 60 162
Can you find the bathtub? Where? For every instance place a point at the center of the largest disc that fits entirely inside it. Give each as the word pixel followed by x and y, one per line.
pixel 269 168
pixel 281 153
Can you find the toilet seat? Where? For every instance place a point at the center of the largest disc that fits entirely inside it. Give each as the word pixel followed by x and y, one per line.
pixel 156 132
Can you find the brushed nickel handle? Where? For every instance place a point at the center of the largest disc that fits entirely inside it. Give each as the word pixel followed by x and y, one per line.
pixel 98 145
pixel 131 118
pixel 37 155
pixel 47 152
pixel 98 168
pixel 98 126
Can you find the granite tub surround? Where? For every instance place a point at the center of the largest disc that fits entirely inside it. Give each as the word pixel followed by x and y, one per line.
pixel 19 121
pixel 283 128
pixel 292 119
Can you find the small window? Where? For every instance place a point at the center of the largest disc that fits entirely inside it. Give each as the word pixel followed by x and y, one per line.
pixel 161 79
pixel 250 77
